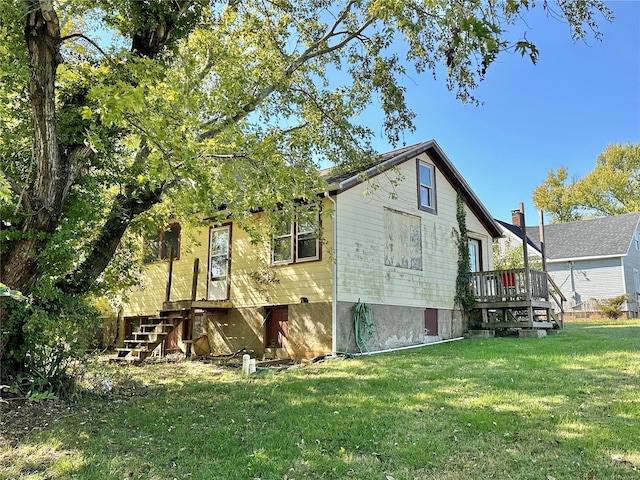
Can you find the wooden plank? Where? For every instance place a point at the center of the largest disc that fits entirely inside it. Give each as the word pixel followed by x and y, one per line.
pixel 182 305
pixel 542 325
pixel 494 325
pixel 167 295
pixel 537 304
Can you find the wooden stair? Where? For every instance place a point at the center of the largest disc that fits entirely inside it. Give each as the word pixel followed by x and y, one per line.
pixel 153 331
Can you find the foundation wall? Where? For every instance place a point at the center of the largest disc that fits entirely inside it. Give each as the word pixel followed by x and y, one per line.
pixel 396 326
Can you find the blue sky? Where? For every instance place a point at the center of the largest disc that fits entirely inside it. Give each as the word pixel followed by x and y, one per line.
pixel 563 111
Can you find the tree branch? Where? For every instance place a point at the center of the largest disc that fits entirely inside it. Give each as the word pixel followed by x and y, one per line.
pixel 310 53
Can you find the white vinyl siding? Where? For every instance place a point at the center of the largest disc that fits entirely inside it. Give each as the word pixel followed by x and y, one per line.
pixel 593 279
pixel 362 273
pixel 631 265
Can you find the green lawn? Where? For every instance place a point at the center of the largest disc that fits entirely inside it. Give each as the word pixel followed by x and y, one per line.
pixel 562 407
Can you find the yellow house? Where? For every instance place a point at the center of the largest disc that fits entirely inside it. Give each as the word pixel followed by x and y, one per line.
pixel 388 246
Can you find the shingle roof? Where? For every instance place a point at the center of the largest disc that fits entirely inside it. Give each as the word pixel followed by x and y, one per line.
pixel 341 177
pixel 343 181
pixel 597 237
pixel 517 231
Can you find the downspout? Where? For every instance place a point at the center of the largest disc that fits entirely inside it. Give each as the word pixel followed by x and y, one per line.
pixel 334 273
pixel 573 283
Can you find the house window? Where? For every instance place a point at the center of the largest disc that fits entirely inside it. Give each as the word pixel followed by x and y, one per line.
pixel 307 244
pixel 636 240
pixel 158 247
pixel 475 257
pixel 282 244
pixel 296 242
pixel 426 187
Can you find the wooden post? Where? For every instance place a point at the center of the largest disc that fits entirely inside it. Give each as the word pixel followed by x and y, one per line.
pixel 194 281
pixel 542 246
pixel 190 319
pixel 527 271
pixel 167 296
pixel 189 333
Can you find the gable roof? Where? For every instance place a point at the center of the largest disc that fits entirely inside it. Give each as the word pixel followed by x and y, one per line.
pixel 344 181
pixel 597 237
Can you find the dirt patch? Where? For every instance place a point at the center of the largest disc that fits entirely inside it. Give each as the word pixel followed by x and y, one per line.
pixel 19 417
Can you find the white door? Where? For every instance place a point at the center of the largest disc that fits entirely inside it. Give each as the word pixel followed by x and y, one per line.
pixel 219 264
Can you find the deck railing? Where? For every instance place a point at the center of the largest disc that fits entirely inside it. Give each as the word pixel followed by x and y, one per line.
pixel 509 285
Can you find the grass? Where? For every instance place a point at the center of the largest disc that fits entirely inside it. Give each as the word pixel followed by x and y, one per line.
pixel 562 407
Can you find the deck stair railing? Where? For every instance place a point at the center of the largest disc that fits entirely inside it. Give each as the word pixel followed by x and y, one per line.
pixel 558 298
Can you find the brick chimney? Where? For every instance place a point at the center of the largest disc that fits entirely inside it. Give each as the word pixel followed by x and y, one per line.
pixel 515 217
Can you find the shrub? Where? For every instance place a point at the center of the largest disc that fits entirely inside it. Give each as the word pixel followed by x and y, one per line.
pixel 48 336
pixel 612 307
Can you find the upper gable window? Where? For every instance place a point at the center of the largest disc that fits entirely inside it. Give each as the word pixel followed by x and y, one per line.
pixel 296 242
pixel 158 247
pixel 426 187
pixel 636 240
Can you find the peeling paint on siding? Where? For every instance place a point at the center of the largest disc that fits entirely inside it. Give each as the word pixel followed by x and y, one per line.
pixel 403 240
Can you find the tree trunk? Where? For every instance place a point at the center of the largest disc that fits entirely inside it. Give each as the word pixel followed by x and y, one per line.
pixel 57 171
pixel 42 37
pixel 123 211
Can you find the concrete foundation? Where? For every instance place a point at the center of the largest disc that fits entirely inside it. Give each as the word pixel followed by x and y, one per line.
pixel 534 333
pixel 396 326
pixel 476 334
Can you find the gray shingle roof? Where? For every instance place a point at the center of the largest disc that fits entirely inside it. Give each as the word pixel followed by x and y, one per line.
pixel 597 237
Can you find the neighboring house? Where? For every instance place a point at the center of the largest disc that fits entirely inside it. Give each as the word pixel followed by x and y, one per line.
pixel 512 237
pixel 392 247
pixel 591 260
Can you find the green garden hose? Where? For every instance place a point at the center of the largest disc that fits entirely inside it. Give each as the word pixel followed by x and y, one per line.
pixel 362 325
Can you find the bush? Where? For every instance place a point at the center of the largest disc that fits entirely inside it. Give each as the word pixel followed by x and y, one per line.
pixel 42 340
pixel 612 307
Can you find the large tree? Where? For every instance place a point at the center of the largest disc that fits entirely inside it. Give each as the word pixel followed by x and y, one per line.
pixel 611 188
pixel 113 109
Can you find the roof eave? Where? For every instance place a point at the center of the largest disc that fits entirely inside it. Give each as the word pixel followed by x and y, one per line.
pixel 446 167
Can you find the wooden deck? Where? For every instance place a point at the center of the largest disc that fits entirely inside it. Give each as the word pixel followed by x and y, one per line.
pixel 517 298
pixel 179 305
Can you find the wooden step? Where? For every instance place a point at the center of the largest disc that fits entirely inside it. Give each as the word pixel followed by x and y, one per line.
pixel 138 343
pixel 148 335
pixel 174 314
pixel 163 327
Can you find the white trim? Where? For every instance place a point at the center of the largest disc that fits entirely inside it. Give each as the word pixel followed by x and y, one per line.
pixel 431 190
pixel 334 274
pixel 594 257
pixel 419 345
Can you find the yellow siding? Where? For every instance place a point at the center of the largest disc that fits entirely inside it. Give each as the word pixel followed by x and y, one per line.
pixel 148 297
pixel 311 280
pixel 362 273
